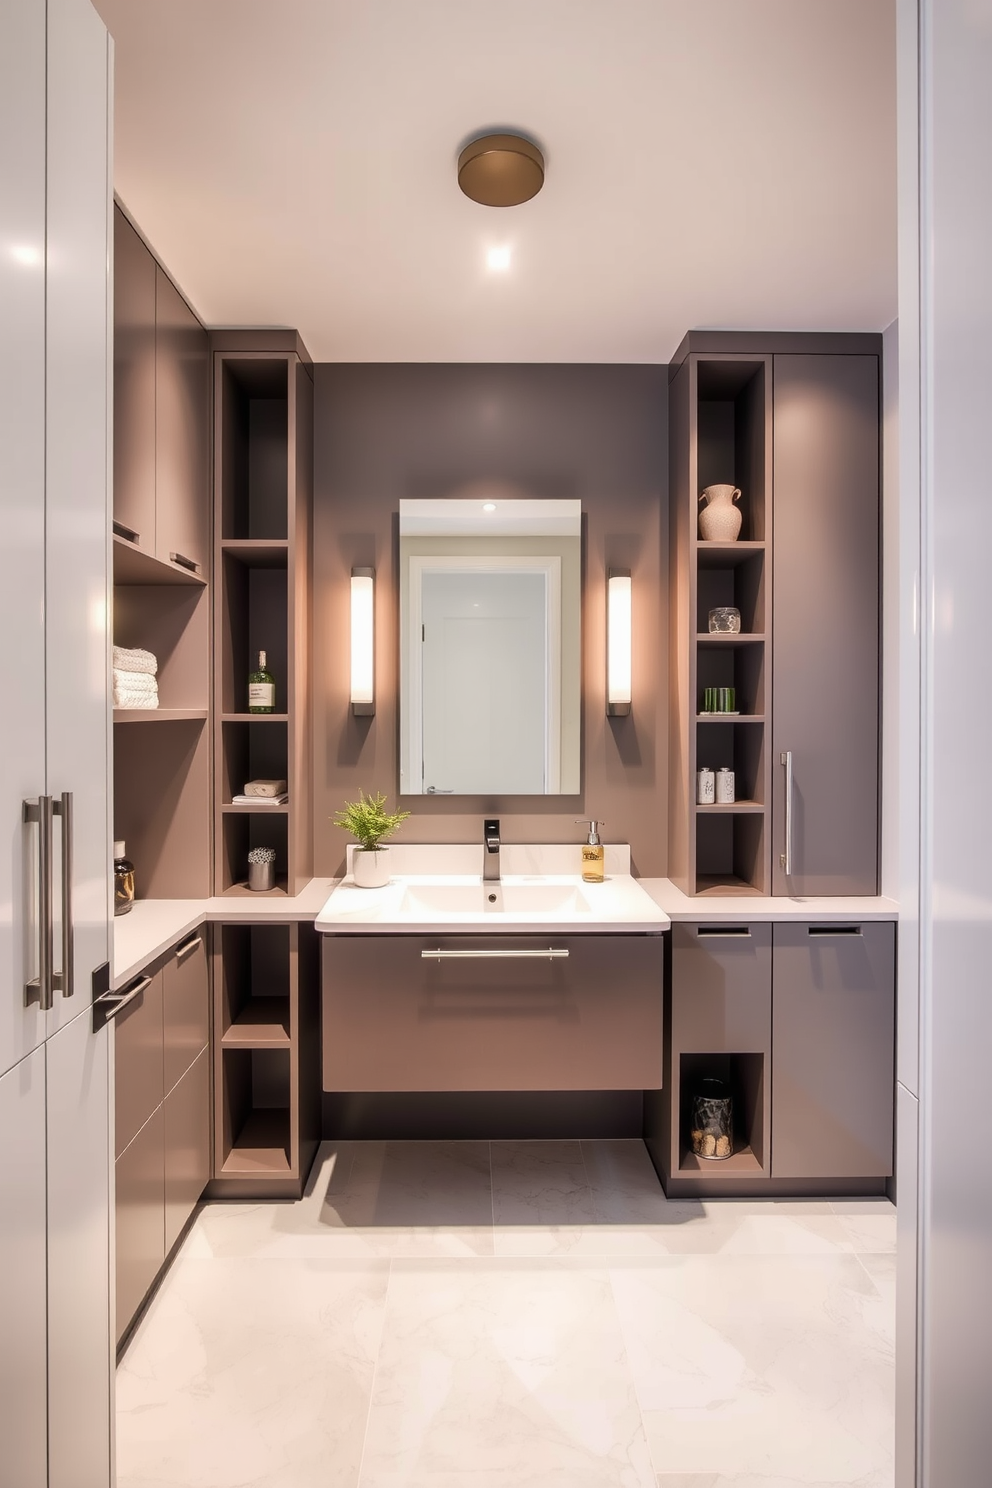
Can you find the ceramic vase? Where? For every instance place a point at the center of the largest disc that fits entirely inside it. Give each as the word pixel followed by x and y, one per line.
pixel 720 520
pixel 370 867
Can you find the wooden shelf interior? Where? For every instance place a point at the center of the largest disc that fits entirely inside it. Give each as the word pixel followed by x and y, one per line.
pixel 257 1142
pixel 173 623
pixel 254 986
pixel 257 552
pixel 730 852
pixel 739 749
pixel 250 752
pixel 254 617
pixel 162 806
pixel 739 666
pixel 242 831
pixel 730 434
pixel 741 584
pixel 253 426
pixel 160 715
pixel 744 1074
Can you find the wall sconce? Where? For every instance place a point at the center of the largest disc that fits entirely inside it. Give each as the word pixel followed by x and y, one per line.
pixel 363 642
pixel 618 636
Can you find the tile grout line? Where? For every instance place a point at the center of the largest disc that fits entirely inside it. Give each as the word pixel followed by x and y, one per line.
pixel 630 1370
pixel 375 1375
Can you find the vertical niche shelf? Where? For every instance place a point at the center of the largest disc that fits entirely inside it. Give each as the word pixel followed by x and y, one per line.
pixel 266 1079
pixel 720 414
pixel 263 422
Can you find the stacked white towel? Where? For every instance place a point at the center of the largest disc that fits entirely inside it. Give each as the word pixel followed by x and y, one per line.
pixel 135 682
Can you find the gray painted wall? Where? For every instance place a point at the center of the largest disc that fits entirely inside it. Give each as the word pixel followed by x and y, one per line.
pixel 596 433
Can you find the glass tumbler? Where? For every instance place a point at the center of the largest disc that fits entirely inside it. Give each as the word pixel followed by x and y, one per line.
pixel 712 1120
pixel 725 620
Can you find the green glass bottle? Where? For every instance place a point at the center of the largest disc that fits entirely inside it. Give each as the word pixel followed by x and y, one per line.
pixel 261 689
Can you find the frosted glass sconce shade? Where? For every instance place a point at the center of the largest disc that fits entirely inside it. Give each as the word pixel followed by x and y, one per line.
pixel 618 641
pixel 363 642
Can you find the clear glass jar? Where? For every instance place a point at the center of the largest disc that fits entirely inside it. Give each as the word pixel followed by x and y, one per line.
pixel 123 880
pixel 712 1131
pixel 725 620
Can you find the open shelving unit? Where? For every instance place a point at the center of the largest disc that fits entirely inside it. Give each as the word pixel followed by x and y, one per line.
pixel 263 417
pixel 162 755
pixel 266 1085
pixel 720 432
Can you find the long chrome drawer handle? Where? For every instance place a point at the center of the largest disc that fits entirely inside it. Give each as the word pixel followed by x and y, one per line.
pixel 40 988
pixel 111 1003
pixel 786 857
pixel 551 954
pixel 63 979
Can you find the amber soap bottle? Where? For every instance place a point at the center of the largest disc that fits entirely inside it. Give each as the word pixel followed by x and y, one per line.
pixel 593 853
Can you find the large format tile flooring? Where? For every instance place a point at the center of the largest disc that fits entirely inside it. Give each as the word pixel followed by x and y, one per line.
pixel 515 1315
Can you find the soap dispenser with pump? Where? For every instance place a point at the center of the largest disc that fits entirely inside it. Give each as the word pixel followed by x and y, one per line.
pixel 593 852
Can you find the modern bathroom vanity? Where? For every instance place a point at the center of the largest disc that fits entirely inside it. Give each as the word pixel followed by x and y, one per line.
pixel 510 988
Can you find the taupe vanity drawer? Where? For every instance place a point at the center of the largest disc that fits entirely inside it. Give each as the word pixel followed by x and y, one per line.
pixel 492 1013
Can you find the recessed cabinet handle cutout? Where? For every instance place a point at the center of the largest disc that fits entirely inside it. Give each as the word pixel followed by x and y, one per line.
pixel 551 954
pixel 724 932
pixel 111 1003
pixel 821 930
pixel 185 562
pixel 188 946
pixel 128 533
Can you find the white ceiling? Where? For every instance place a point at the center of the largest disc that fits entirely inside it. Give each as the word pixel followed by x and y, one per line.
pixel 726 163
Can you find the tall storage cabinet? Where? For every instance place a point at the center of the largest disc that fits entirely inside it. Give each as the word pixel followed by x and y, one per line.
pixel 161 567
pixel 793 421
pixel 55 71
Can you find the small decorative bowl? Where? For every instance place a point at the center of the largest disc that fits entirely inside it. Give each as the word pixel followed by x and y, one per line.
pixel 726 620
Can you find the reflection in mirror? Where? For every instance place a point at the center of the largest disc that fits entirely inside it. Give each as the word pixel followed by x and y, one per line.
pixel 490 644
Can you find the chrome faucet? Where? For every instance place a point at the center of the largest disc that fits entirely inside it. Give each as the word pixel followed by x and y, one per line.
pixel 490 858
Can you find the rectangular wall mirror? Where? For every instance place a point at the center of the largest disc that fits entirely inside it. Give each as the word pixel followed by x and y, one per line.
pixel 490 647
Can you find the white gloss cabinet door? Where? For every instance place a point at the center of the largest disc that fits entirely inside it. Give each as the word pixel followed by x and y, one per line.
pixel 80 1352
pixel 22 509
pixel 77 485
pixel 23 1214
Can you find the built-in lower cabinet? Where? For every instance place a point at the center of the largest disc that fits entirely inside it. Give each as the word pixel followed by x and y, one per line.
pixel 798 1021
pixel 549 1012
pixel 162 1100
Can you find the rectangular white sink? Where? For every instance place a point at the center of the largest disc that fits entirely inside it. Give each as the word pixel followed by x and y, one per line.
pixel 466 904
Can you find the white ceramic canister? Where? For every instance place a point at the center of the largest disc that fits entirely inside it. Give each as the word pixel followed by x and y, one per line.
pixel 725 787
pixel 705 787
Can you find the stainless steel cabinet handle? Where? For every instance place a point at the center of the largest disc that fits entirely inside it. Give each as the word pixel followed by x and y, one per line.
pixel 550 954
pixel 110 1004
pixel 786 857
pixel 822 930
pixel 128 533
pixel 188 946
pixel 723 932
pixel 63 979
pixel 185 562
pixel 40 988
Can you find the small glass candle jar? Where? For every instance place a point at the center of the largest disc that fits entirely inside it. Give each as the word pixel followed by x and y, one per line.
pixel 712 1131
pixel 725 620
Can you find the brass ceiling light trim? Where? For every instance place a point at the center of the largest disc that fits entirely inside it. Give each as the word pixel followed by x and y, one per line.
pixel 501 170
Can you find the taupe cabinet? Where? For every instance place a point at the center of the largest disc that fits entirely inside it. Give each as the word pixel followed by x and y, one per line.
pixel 494 1013
pixel 161 412
pixel 825 653
pixel 162 1116
pixel 793 421
pixel 799 1020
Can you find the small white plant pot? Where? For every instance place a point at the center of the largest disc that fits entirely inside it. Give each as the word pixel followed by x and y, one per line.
pixel 370 867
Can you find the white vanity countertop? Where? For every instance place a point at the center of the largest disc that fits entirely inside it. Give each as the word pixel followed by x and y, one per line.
pixel 737 907
pixel 153 925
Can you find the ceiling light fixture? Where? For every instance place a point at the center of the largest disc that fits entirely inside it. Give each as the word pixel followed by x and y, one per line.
pixel 501 170
pixel 498 259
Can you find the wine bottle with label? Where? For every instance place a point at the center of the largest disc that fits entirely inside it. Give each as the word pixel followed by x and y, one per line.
pixel 261 689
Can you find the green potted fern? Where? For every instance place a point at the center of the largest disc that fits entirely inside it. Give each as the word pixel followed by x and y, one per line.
pixel 369 823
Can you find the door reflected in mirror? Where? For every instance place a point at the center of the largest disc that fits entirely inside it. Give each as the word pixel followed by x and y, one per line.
pixel 490 647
